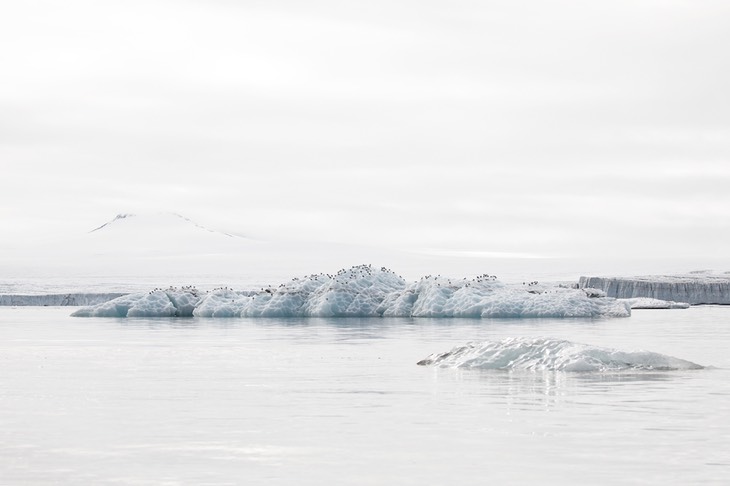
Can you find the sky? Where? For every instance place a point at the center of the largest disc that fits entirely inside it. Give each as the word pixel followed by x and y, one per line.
pixel 505 127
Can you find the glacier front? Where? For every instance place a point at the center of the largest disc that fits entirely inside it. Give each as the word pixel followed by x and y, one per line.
pixel 365 291
pixel 695 288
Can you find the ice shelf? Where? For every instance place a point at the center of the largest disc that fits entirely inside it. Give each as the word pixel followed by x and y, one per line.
pixel 701 288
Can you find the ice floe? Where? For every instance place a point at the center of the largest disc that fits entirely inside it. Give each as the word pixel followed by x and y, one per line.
pixel 649 303
pixel 540 354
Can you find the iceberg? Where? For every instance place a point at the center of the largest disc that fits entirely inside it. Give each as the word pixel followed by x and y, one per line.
pixel 365 291
pixel 540 354
pixel 697 288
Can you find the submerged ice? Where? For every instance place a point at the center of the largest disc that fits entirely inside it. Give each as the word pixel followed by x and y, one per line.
pixel 365 291
pixel 539 354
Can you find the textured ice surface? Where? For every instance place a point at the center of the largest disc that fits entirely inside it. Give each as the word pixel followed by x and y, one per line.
pixel 172 302
pixel 364 291
pixel 538 354
pixel 649 303
pixel 696 288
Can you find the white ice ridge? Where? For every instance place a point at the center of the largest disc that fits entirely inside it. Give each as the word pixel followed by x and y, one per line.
pixel 365 291
pixel 539 354
pixel 694 288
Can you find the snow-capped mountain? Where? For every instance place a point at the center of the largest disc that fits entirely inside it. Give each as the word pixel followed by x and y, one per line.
pixel 162 234
pixel 133 251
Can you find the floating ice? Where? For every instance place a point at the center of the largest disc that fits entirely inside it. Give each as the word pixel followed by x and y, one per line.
pixel 537 354
pixel 694 288
pixel 648 303
pixel 364 291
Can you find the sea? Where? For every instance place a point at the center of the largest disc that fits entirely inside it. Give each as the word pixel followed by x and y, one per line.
pixel 312 401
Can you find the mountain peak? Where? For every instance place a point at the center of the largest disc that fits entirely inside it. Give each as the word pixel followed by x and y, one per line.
pixel 154 222
pixel 116 218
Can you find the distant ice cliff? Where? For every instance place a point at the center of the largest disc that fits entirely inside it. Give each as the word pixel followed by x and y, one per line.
pixel 73 299
pixel 700 288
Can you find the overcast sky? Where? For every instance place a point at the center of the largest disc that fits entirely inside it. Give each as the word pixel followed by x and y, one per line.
pixel 535 127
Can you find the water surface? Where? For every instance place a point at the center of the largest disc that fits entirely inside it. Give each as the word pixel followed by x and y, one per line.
pixel 341 401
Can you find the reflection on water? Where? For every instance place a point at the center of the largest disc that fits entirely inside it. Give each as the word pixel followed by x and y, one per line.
pixel 528 390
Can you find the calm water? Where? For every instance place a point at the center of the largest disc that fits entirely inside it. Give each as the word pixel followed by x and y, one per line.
pixel 318 401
